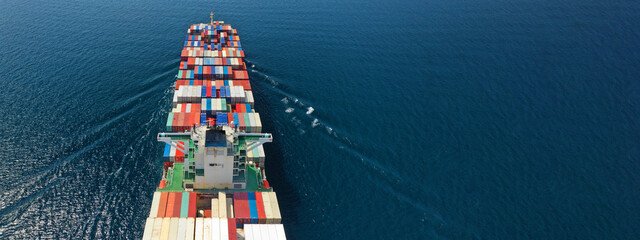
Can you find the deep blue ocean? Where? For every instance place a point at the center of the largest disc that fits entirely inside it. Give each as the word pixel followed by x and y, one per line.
pixel 413 119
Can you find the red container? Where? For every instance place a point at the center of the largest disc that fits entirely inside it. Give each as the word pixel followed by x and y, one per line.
pixel 207 213
pixel 241 207
pixel 174 122
pixel 192 205
pixel 191 62
pixel 229 118
pixel 181 83
pixel 171 201
pixel 206 72
pixel 196 70
pixel 241 124
pixel 240 74
pixel 162 207
pixel 179 155
pixel 231 224
pixel 260 206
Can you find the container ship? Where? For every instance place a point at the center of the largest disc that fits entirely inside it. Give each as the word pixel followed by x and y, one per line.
pixel 213 180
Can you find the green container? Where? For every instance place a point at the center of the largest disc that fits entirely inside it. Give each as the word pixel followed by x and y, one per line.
pixel 247 122
pixel 184 205
pixel 169 121
pixel 223 104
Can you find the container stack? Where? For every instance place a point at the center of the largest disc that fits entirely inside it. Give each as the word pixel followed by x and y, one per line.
pixel 174 215
pixel 212 73
pixel 264 231
pixel 256 208
pixel 172 154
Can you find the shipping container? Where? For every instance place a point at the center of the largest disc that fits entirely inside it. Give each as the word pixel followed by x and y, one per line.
pixel 182 229
pixel 222 205
pixel 190 231
pixel 214 207
pixel 157 228
pixel 154 204
pixel 166 226
pixel 206 232
pixel 260 208
pixel 148 229
pixel 199 230
pixel 215 229
pixel 231 224
pixel 162 207
pixel 253 210
pixel 275 209
pixel 192 204
pixel 266 199
pixel 173 228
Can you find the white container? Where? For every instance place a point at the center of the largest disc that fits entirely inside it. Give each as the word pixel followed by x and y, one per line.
pixel 182 229
pixel 148 229
pixel 207 228
pixel 222 205
pixel 199 229
pixel 215 229
pixel 272 231
pixel 157 228
pixel 275 208
pixel 248 232
pixel 261 153
pixel 173 228
pixel 214 207
pixel 259 126
pixel 268 214
pixel 155 204
pixel 280 231
pixel 166 226
pixel 224 229
pixel 190 231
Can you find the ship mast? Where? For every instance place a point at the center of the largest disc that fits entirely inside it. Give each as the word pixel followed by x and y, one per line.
pixel 211 16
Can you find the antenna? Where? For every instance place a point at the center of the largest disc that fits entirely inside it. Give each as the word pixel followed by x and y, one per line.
pixel 211 16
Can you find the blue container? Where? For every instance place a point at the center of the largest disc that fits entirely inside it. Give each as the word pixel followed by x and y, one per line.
pixel 213 92
pixel 223 92
pixel 203 119
pixel 203 92
pixel 167 152
pixel 191 82
pixel 236 119
pixel 221 119
pixel 248 108
pixel 228 89
pixel 253 208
